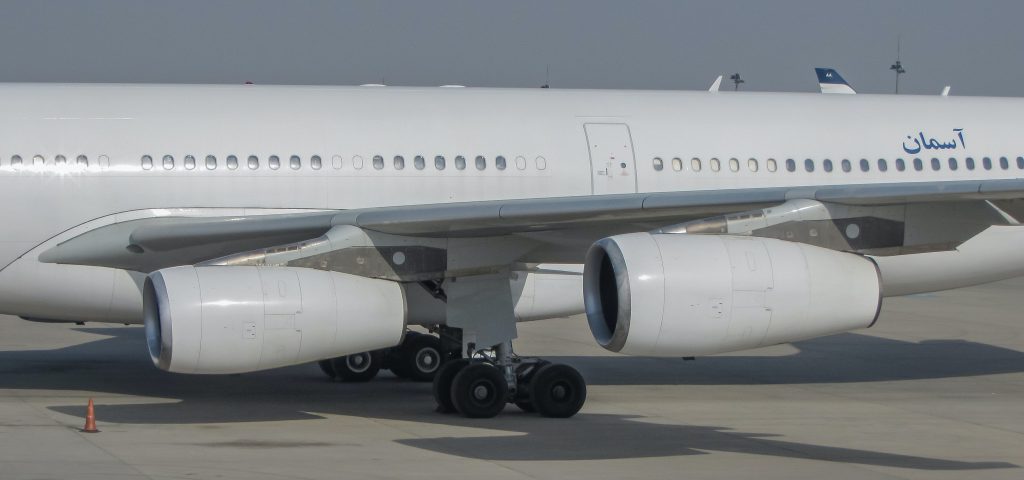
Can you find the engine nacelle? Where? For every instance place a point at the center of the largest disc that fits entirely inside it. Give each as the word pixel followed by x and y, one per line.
pixel 686 295
pixel 220 319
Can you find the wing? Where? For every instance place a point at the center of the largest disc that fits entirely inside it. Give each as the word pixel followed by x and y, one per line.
pixel 547 229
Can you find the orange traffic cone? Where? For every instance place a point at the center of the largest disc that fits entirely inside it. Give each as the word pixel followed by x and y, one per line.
pixel 90 419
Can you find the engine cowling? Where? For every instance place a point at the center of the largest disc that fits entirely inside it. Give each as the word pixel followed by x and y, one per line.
pixel 232 319
pixel 687 295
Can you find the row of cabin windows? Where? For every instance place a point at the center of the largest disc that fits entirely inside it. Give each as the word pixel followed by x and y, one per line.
pixel 81 160
pixel 316 162
pixel 810 165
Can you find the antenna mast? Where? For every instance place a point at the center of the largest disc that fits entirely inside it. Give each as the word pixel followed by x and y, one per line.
pixel 898 66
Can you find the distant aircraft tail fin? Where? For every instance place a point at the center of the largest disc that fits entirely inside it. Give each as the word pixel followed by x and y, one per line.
pixel 831 82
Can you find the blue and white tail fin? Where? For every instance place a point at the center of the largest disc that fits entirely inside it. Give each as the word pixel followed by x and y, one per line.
pixel 831 82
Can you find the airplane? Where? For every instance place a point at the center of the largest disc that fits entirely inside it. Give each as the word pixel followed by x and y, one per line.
pixel 830 81
pixel 258 226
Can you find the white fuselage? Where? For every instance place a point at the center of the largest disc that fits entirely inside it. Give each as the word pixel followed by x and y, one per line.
pixel 555 143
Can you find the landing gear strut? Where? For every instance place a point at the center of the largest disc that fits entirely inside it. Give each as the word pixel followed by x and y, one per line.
pixel 480 386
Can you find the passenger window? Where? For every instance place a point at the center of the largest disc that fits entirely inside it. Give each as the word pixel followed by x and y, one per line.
pixel 211 162
pixel 865 165
pixel 274 162
pixel 936 164
pixel 147 162
pixel 399 162
pixel 771 165
pixel 847 166
pixel 883 166
pixel 481 162
pixel 715 165
pixel 190 162
pixel 952 164
pixel 658 164
pixel 790 165
pixel 439 162
pixel 232 162
pixel 677 164
pixel 253 162
pixel 1004 163
pixel 900 165
pixel 419 162
pixel 499 162
pixel 734 165
pixel 294 162
pixel 38 160
pixel 752 164
pixel 16 161
pixel 1020 162
pixel 83 161
pixel 809 165
pixel 695 164
pixel 378 162
pixel 168 162
pixel 460 162
pixel 969 162
pixel 62 160
pixel 521 163
pixel 357 162
pixel 316 162
pixel 336 162
pixel 918 165
pixel 826 165
pixel 987 163
pixel 542 163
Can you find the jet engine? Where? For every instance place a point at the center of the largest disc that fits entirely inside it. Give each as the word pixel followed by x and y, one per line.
pixel 231 319
pixel 687 295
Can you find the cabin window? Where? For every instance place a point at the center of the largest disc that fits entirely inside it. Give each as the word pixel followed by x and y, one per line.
pixel 987 163
pixel 936 164
pixel 521 163
pixel 659 165
pixel 542 163
pixel 460 162
pixel 734 165
pixel 83 160
pixel 147 162
pixel 1004 163
pixel 399 162
pixel 826 165
pixel 883 166
pixel 190 162
pixel 500 163
pixel 752 164
pixel 294 162
pixel 357 162
pixel 274 162
pixel 481 162
pixel 62 160
pixel 439 162
pixel 865 165
pixel 168 162
pixel 846 166
pixel 969 162
pixel 1020 162
pixel 316 162
pixel 900 165
pixel 918 165
pixel 253 162
pixel 38 160
pixel 419 162
pixel 952 164
pixel 16 161
pixel 695 164
pixel 337 162
pixel 770 165
pixel 715 165
pixel 378 162
pixel 790 165
pixel 809 165
pixel 211 162
pixel 677 164
pixel 232 162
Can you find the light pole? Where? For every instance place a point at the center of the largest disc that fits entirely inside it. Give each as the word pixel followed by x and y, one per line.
pixel 898 67
pixel 736 80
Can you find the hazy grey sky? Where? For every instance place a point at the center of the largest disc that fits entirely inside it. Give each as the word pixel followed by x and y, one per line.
pixel 972 45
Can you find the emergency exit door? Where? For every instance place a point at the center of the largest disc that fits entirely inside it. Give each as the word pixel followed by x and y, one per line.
pixel 612 166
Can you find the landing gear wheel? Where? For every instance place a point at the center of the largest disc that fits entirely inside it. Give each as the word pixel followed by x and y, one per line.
pixel 443 384
pixel 325 366
pixel 524 375
pixel 557 391
pixel 420 358
pixel 358 367
pixel 479 391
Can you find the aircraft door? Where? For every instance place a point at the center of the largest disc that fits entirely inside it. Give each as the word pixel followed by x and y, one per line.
pixel 612 165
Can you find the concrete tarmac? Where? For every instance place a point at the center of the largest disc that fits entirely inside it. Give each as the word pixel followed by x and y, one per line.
pixel 935 390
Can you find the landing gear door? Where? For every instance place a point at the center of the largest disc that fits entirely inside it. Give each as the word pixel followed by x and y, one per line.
pixel 612 166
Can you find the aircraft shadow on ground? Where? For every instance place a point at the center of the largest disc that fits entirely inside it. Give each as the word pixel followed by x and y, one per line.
pixel 120 365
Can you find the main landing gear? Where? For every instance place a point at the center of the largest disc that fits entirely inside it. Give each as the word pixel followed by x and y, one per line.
pixel 480 386
pixel 417 358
